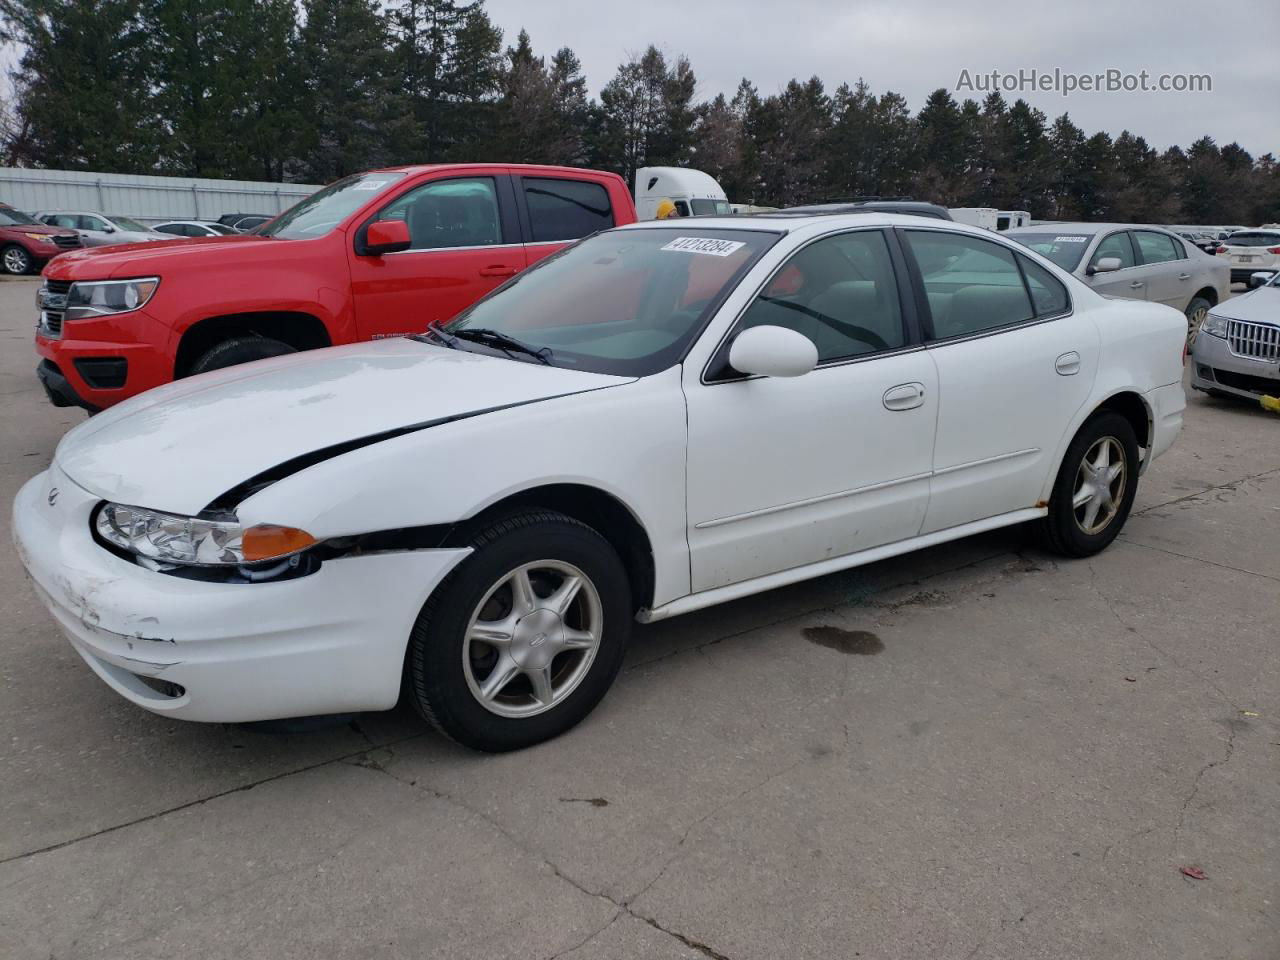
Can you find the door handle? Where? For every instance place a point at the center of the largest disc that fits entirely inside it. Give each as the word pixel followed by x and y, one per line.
pixel 1068 365
pixel 1184 276
pixel 1136 285
pixel 905 396
pixel 498 270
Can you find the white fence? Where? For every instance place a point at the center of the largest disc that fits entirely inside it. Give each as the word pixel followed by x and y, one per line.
pixel 145 198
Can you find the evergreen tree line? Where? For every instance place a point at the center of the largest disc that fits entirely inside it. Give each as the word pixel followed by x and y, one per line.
pixel 270 90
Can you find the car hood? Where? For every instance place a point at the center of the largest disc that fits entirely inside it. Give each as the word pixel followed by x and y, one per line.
pixel 42 229
pixel 1256 306
pixel 138 259
pixel 179 447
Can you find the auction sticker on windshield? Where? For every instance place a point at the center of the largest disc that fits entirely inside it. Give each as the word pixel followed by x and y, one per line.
pixel 1070 239
pixel 715 248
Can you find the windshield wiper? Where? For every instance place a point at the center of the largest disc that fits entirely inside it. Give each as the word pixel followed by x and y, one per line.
pixel 500 340
pixel 439 336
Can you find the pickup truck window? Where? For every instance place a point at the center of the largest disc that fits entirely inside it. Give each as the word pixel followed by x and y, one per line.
pixel 566 209
pixel 325 209
pixel 449 213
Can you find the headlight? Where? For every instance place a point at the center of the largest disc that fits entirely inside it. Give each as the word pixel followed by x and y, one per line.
pixel 168 538
pixel 39 237
pixel 100 298
pixel 1214 325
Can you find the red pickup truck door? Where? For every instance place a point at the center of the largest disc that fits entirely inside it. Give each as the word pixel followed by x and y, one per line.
pixel 465 241
pixel 557 208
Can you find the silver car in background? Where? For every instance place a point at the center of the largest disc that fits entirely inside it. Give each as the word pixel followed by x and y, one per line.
pixel 1135 262
pixel 99 229
pixel 1238 349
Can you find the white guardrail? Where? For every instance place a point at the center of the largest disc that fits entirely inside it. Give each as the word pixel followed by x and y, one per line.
pixel 147 198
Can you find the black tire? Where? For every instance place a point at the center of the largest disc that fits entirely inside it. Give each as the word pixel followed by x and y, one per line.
pixel 1197 308
pixel 435 678
pixel 1060 530
pixel 15 260
pixel 238 350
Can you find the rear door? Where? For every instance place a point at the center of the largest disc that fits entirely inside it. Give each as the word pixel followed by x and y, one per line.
pixel 1164 268
pixel 556 209
pixel 465 241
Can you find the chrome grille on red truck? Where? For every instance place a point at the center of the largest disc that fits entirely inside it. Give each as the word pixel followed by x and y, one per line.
pixel 1257 341
pixel 50 324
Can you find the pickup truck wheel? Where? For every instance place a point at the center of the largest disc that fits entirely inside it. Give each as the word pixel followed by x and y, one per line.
pixel 524 637
pixel 1196 311
pixel 1094 490
pixel 15 260
pixel 240 350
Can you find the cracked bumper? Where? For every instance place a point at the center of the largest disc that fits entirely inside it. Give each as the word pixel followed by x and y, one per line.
pixel 331 642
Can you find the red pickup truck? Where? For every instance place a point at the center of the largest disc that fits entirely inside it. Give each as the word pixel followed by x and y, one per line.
pixel 377 254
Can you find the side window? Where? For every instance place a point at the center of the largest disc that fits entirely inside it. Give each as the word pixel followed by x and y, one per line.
pixel 62 220
pixel 840 292
pixel 566 209
pixel 449 213
pixel 91 223
pixel 1115 245
pixel 1048 295
pixel 971 284
pixel 1156 247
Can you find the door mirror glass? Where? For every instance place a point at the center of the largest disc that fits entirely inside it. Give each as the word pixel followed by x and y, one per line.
pixel 386 236
pixel 770 351
pixel 1105 265
pixel 1260 279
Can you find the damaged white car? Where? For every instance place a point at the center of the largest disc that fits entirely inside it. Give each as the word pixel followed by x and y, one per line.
pixel 657 419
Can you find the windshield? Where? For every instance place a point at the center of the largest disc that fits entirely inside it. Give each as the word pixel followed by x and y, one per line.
pixel 10 217
pixel 1064 249
pixel 625 302
pixel 325 209
pixel 705 208
pixel 126 224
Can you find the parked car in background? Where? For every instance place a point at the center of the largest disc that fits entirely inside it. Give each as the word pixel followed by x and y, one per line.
pixel 637 428
pixel 915 208
pixel 1238 350
pixel 985 217
pixel 378 254
pixel 1201 241
pixel 100 230
pixel 1134 262
pixel 26 244
pixel 1249 251
pixel 195 228
pixel 243 222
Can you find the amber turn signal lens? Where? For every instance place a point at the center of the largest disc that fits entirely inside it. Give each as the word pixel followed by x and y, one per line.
pixel 267 541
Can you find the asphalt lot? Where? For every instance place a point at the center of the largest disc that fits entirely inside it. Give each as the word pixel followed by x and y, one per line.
pixel 973 751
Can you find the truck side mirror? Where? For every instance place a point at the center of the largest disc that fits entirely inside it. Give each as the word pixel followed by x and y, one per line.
pixel 386 236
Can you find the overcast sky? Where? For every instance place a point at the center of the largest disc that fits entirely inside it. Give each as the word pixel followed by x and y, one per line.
pixel 913 47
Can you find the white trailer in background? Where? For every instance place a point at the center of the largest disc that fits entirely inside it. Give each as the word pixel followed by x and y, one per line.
pixel 693 192
pixel 1008 219
pixel 146 198
pixel 985 217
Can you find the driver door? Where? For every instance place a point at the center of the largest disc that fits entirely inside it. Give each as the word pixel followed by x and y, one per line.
pixel 788 472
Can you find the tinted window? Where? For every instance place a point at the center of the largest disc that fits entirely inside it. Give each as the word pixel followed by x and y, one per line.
pixel 177 229
pixel 1116 245
pixel 566 209
pixel 840 292
pixel 972 285
pixel 1156 247
pixel 10 217
pixel 1064 249
pixel 705 208
pixel 69 220
pixel 1255 238
pixel 1048 295
pixel 1002 223
pixel 449 213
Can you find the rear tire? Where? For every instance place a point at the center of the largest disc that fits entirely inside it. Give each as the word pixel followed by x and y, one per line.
pixel 1089 506
pixel 239 350
pixel 490 662
pixel 15 260
pixel 1196 311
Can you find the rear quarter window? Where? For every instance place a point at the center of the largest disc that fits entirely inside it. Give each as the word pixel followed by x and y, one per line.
pixel 565 209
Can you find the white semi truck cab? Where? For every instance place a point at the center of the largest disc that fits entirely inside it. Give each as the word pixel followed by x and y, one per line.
pixel 693 192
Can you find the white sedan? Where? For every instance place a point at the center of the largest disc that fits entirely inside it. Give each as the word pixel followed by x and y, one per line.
pixel 657 419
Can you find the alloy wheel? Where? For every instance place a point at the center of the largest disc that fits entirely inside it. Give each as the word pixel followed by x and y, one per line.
pixel 16 261
pixel 532 638
pixel 1193 322
pixel 1100 486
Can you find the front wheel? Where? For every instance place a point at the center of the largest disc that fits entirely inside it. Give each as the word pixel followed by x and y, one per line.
pixel 1095 487
pixel 15 260
pixel 524 638
pixel 239 350
pixel 1196 311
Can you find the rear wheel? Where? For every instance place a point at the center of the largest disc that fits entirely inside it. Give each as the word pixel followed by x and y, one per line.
pixel 238 350
pixel 1095 487
pixel 1196 311
pixel 15 260
pixel 524 638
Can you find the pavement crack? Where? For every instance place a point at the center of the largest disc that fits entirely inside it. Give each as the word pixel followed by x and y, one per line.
pixel 1195 784
pixel 589 937
pixel 1231 485
pixel 1186 556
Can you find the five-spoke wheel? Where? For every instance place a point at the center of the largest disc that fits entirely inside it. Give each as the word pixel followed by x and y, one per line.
pixel 1094 488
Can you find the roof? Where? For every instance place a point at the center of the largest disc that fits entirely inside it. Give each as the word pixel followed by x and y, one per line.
pixel 783 222
pixel 1062 226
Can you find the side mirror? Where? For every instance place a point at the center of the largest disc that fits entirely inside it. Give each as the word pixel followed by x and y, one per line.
pixel 1260 279
pixel 386 236
pixel 108 229
pixel 1105 265
pixel 769 351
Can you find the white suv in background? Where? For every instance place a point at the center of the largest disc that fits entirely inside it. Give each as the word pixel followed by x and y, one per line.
pixel 1251 250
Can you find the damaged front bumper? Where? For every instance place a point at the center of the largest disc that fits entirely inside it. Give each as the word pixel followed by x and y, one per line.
pixel 329 642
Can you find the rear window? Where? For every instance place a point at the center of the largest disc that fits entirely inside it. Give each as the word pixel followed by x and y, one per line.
pixel 1064 249
pixel 566 209
pixel 1253 238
